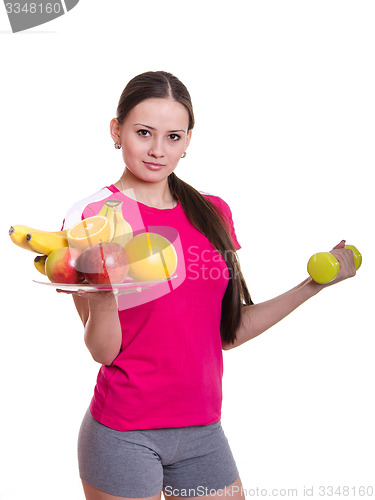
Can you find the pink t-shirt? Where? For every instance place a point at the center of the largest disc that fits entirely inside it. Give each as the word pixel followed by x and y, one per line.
pixel 170 367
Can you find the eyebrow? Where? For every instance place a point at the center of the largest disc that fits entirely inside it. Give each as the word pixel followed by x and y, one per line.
pixel 152 128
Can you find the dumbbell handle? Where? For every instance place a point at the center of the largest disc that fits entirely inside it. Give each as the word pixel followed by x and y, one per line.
pixel 323 267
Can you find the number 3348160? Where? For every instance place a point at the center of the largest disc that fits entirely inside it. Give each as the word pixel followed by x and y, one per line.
pixel 33 8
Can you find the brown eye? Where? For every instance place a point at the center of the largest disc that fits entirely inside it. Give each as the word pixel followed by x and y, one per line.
pixel 140 132
pixel 175 135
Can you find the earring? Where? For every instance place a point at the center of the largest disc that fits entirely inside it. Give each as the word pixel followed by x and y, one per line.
pixel 117 145
pixel 183 156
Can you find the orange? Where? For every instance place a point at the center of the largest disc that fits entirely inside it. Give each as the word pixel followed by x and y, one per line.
pixel 88 232
pixel 151 257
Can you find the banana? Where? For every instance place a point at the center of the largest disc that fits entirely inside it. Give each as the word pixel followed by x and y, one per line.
pixel 18 235
pixel 39 263
pixel 107 211
pixel 45 243
pixel 123 230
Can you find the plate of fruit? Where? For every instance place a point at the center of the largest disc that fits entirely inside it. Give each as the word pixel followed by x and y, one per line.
pixel 99 253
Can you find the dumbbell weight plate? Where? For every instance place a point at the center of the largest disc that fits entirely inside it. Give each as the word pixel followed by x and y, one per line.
pixel 323 267
pixel 357 255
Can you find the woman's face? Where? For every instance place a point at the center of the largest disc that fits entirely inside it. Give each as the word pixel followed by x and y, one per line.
pixel 154 134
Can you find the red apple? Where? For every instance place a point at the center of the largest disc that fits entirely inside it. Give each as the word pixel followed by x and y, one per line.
pixel 104 263
pixel 60 266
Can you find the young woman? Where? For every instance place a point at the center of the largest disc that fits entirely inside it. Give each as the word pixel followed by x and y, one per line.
pixel 154 423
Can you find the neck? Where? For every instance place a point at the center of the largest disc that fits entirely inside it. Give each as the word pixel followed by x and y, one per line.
pixel 154 194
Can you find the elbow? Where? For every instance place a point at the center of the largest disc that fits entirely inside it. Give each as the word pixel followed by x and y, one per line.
pixel 104 360
pixel 235 342
pixel 101 357
pixel 226 347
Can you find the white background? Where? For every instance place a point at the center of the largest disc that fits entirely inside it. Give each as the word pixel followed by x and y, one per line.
pixel 283 93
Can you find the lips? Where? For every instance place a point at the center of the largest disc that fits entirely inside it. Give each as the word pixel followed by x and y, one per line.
pixel 153 166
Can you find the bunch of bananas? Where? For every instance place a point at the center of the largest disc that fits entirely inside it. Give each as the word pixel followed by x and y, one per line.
pixel 45 242
pixel 121 231
pixel 38 241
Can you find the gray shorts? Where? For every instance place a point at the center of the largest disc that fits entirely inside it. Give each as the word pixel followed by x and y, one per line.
pixel 184 461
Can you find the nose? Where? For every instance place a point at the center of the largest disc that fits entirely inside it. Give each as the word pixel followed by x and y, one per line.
pixel 156 148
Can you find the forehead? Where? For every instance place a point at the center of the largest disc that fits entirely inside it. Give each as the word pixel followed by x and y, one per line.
pixel 160 113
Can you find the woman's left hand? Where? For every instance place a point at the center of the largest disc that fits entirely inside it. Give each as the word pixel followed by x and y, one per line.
pixel 346 260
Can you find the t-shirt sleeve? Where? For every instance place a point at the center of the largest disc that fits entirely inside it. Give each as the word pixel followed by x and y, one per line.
pixel 73 215
pixel 228 213
pixel 76 212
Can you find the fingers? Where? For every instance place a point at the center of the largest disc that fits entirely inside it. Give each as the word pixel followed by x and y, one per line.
pixel 82 293
pixel 72 292
pixel 340 245
pixel 79 293
pixel 345 258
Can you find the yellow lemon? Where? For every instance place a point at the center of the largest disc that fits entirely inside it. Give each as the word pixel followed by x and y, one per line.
pixel 151 257
pixel 90 231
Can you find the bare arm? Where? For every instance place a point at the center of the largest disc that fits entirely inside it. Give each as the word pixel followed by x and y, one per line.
pixel 82 306
pixel 257 318
pixel 99 314
pixel 103 333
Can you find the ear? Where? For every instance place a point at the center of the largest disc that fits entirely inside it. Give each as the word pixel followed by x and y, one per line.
pixel 114 129
pixel 188 138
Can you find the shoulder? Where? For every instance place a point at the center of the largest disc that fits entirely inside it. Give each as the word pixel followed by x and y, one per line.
pixel 74 213
pixel 211 197
pixel 218 201
pixel 226 215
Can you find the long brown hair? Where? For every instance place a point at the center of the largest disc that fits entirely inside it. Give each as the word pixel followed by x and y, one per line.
pixel 204 215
